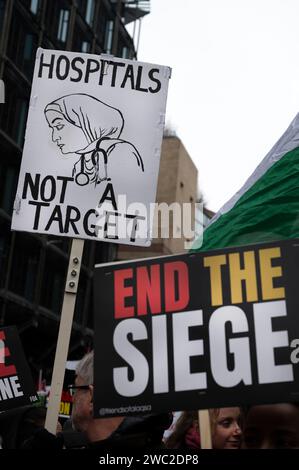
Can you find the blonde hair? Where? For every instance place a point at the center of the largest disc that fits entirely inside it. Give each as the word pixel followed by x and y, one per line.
pixel 182 425
pixel 185 421
pixel 214 413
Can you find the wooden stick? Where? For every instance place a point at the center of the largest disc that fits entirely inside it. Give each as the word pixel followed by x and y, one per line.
pixel 205 429
pixel 64 334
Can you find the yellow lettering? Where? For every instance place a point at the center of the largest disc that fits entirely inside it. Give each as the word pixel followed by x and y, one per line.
pixel 215 263
pixel 67 408
pixel 247 274
pixel 268 272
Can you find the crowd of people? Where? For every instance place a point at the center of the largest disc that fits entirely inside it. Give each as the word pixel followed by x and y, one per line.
pixel 271 426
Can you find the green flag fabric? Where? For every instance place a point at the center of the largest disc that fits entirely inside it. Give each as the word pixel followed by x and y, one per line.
pixel 266 208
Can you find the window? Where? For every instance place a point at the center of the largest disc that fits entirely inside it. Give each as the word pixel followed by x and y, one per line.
pixel 125 53
pixel 89 11
pixel 24 266
pixel 53 281
pixel 82 40
pixel 102 19
pixel 22 44
pixel 19 315
pixel 63 25
pixel 28 46
pixel 8 183
pixel 34 6
pixel 13 114
pixel 63 243
pixel 85 47
pixel 20 130
pixel 57 22
pixel 125 45
pixel 2 11
pixel 86 8
pixel 109 36
pixel 5 240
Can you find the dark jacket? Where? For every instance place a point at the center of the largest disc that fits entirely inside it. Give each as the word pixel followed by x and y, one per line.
pixel 142 432
pixel 19 424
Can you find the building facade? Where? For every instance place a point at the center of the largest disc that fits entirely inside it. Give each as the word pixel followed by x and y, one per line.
pixel 177 184
pixel 33 267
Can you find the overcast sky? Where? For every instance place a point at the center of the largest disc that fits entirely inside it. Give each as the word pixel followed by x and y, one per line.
pixel 235 81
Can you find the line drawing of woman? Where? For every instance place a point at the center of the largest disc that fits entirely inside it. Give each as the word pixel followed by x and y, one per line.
pixel 82 124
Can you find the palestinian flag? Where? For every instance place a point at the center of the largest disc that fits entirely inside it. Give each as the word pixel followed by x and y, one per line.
pixel 266 208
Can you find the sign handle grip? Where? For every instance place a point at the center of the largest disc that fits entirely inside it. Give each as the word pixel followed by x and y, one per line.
pixel 64 334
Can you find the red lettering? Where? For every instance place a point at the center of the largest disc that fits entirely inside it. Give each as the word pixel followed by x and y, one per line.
pixel 148 289
pixel 5 371
pixel 176 275
pixel 121 293
pixel 66 396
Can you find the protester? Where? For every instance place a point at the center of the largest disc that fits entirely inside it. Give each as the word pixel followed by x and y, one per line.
pixel 106 434
pixel 225 430
pixel 111 433
pixel 185 427
pixel 272 427
pixel 19 425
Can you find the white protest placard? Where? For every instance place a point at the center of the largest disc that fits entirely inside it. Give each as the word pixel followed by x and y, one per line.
pixel 92 147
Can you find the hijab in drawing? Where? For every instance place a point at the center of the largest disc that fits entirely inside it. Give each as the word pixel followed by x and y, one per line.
pixel 84 125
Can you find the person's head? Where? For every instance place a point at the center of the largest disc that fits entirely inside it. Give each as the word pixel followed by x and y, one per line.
pixel 82 412
pixel 185 422
pixel 78 121
pixel 226 428
pixel 272 427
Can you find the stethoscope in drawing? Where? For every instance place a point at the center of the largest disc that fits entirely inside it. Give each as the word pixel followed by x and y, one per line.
pixel 82 178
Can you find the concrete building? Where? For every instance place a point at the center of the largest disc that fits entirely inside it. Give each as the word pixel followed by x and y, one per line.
pixel 177 183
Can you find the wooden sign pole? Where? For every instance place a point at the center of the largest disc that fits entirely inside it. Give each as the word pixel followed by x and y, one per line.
pixel 64 334
pixel 205 429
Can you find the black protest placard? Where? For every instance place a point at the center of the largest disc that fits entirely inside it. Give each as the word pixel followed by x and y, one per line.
pixel 197 331
pixel 16 384
pixel 66 403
